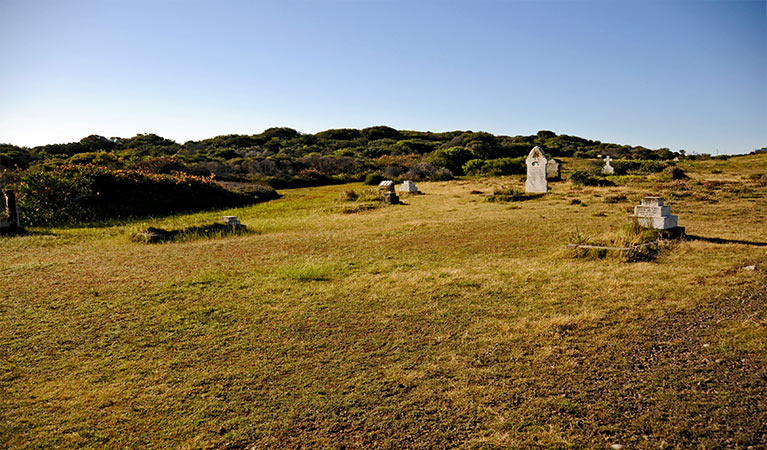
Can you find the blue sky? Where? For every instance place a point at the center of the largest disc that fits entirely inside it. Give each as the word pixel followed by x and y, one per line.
pixel 683 75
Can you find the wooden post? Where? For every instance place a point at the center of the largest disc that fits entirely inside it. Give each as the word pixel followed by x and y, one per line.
pixel 11 208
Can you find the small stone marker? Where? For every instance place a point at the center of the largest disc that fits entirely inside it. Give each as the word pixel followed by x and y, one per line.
pixel 408 186
pixel 391 198
pixel 386 185
pixel 553 170
pixel 231 220
pixel 536 171
pixel 608 169
pixel 652 213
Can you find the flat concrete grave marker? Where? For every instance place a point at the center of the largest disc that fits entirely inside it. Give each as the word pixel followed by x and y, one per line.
pixel 536 172
pixel 408 186
pixel 652 213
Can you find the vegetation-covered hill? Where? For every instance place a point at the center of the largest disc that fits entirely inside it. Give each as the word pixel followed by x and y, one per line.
pixel 283 157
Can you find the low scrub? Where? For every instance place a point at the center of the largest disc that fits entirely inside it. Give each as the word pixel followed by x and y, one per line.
pixel 496 167
pixel 672 173
pixel 152 235
pixel 585 178
pixel 632 244
pixel 626 166
pixel 504 195
pixel 85 194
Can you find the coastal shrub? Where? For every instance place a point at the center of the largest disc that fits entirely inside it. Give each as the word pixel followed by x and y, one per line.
pixel 584 178
pixel 82 194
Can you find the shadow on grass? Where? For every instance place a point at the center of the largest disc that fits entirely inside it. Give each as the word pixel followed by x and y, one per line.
pixel 692 237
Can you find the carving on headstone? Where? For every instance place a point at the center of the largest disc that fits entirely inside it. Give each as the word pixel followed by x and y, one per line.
pixel 536 171
pixel 652 213
pixel 608 169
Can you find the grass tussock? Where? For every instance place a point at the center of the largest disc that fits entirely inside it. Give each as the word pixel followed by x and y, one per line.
pixel 633 243
pixel 508 194
pixel 309 271
pixel 356 201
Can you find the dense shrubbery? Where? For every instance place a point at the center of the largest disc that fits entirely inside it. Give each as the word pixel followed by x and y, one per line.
pixel 585 178
pixel 283 157
pixel 77 194
pixel 496 167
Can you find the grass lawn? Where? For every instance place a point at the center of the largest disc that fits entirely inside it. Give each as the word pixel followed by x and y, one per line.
pixel 447 322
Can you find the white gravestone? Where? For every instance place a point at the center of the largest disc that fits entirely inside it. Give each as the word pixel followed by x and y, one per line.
pixel 536 172
pixel 408 186
pixel 652 213
pixel 607 169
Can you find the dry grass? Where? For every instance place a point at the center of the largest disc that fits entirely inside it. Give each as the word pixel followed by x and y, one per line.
pixel 450 322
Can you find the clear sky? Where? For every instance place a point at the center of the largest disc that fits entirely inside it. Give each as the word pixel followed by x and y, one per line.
pixel 678 74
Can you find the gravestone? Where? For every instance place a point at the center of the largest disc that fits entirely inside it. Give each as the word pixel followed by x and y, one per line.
pixel 10 210
pixel 408 186
pixel 391 198
pixel 536 171
pixel 608 169
pixel 553 170
pixel 231 220
pixel 386 185
pixel 652 213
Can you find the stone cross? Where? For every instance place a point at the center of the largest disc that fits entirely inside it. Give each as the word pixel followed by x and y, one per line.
pixel 536 171
pixel 608 168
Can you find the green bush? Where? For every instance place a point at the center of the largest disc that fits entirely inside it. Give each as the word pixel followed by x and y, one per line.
pixel 624 166
pixel 585 178
pixel 452 158
pixel 82 194
pixel 496 167
pixel 372 179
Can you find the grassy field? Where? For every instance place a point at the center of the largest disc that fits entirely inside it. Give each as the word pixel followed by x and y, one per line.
pixel 447 322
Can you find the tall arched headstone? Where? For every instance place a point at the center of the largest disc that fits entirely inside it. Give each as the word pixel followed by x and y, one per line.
pixel 536 171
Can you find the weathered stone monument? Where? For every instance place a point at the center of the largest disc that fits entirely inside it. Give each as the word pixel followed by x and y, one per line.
pixel 390 198
pixel 652 213
pixel 9 211
pixel 536 172
pixel 386 185
pixel 408 186
pixel 608 169
pixel 553 169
